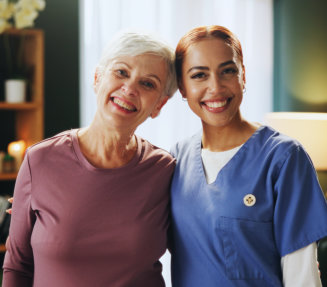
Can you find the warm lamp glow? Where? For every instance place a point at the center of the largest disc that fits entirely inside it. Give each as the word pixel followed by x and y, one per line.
pixel 310 129
pixel 17 150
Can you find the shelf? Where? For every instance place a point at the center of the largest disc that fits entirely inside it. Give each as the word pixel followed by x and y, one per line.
pixel 8 176
pixel 26 118
pixel 18 106
pixel 20 32
pixel 22 121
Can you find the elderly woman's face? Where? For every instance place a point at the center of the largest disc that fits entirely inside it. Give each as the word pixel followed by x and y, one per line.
pixel 131 89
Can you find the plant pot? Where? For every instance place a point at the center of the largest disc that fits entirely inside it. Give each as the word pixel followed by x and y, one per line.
pixel 15 91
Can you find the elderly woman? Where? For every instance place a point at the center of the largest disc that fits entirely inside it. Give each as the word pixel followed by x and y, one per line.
pixel 91 204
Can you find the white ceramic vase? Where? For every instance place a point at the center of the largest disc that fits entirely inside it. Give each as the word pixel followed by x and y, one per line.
pixel 15 91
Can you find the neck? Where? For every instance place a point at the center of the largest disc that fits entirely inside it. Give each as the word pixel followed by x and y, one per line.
pixel 107 148
pixel 222 138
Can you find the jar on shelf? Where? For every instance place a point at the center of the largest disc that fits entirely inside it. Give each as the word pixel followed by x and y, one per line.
pixel 8 164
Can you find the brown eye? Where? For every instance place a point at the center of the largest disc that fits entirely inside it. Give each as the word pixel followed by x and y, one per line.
pixel 200 75
pixel 147 84
pixel 230 71
pixel 121 73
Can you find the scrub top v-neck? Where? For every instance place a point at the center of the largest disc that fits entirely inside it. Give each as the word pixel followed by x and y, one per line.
pixel 234 231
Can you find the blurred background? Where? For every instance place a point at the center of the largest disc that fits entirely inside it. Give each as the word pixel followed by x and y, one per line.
pixel 284 44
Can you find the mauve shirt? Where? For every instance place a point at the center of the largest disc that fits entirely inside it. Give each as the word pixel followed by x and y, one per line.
pixel 77 225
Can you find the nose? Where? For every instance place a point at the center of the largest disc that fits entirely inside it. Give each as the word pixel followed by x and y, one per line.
pixel 129 88
pixel 216 85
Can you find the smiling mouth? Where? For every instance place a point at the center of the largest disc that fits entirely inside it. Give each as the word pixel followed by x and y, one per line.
pixel 123 105
pixel 215 105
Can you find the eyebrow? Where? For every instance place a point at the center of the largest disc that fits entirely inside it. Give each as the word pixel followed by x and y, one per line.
pixel 122 63
pixel 205 68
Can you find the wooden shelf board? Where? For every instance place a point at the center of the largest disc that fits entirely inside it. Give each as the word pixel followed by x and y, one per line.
pixel 18 106
pixel 8 176
pixel 20 32
pixel 2 248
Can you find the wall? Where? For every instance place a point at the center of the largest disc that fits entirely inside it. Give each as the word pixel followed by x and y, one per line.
pixel 60 23
pixel 300 58
pixel 300 69
pixel 300 64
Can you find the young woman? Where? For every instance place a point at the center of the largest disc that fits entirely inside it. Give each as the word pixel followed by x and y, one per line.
pixel 247 208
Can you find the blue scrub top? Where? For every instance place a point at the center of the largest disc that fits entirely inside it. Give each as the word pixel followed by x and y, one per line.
pixel 218 240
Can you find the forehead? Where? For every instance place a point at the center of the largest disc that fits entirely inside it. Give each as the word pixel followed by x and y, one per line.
pixel 209 51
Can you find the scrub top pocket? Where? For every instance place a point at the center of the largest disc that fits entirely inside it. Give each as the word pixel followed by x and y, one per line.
pixel 245 243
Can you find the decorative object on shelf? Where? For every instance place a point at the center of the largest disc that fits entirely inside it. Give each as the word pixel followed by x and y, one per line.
pixel 2 155
pixel 17 14
pixel 17 151
pixel 15 91
pixel 8 164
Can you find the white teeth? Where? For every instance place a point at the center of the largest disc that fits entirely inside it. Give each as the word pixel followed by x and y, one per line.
pixel 216 104
pixel 123 104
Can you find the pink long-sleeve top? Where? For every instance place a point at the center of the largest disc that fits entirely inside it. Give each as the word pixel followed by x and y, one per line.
pixel 77 225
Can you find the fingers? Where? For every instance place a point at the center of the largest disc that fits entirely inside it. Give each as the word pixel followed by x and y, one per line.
pixel 11 200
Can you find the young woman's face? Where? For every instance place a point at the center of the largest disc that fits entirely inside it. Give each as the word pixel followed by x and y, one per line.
pixel 212 81
pixel 131 90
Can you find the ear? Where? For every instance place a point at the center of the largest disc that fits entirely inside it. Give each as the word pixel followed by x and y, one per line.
pixel 243 75
pixel 181 89
pixel 159 106
pixel 97 78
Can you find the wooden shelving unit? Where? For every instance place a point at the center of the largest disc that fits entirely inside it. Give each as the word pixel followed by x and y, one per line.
pixel 28 117
pixel 24 106
pixel 8 176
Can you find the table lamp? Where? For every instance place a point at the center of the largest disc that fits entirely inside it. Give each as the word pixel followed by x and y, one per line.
pixel 310 129
pixel 17 149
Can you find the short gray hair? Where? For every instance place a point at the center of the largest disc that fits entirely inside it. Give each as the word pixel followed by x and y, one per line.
pixel 135 44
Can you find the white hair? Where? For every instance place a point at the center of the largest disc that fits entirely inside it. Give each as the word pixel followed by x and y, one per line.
pixel 135 44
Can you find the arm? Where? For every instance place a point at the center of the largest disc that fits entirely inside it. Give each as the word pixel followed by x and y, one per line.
pixel 19 264
pixel 299 219
pixel 300 267
pixel 300 207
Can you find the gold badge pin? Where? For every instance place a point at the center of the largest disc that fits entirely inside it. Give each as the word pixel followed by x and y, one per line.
pixel 249 200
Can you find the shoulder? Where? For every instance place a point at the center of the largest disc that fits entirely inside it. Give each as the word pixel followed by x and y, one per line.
pixel 182 147
pixel 55 142
pixel 154 154
pixel 270 139
pixel 281 149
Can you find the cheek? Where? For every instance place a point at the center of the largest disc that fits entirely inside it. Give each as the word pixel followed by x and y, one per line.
pixel 192 90
pixel 150 100
pixel 101 92
pixel 237 85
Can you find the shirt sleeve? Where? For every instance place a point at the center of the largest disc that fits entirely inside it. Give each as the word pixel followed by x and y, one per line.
pixel 300 268
pixel 300 208
pixel 19 264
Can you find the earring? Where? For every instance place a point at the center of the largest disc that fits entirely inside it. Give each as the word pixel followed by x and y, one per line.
pixel 244 90
pixel 184 99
